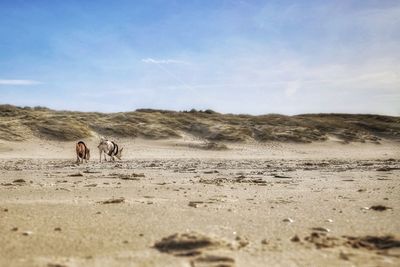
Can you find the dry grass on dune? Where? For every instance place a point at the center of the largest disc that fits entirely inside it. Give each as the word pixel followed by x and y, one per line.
pixel 18 124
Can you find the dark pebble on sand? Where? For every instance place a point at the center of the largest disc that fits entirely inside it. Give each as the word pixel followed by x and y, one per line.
pixel 295 239
pixel 56 265
pixel 385 169
pixel 19 181
pixel 320 229
pixel 379 207
pixel 76 175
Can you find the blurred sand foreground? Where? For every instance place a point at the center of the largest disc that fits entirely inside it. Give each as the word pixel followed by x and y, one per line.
pixel 170 203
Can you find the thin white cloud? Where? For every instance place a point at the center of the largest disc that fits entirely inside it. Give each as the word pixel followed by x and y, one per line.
pixel 18 82
pixel 163 61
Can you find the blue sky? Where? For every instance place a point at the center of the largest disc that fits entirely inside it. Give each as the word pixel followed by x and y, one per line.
pixel 236 56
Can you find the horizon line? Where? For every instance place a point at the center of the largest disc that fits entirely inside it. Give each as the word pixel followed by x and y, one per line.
pixel 193 110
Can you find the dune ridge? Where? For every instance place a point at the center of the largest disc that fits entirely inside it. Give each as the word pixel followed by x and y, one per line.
pixel 24 123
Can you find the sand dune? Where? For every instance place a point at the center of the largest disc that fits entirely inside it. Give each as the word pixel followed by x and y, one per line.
pixel 25 123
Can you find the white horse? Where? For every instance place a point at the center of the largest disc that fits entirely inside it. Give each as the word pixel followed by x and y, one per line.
pixel 109 148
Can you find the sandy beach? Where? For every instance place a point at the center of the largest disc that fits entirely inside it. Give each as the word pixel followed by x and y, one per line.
pixel 238 133
pixel 169 203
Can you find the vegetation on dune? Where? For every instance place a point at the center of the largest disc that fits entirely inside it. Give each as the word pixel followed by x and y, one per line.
pixel 17 124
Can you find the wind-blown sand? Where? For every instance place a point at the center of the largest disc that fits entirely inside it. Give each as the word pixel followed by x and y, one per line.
pixel 168 203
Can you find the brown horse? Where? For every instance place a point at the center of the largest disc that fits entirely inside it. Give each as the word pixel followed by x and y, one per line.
pixel 82 152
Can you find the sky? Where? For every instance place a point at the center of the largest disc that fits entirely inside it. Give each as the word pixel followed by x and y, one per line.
pixel 232 56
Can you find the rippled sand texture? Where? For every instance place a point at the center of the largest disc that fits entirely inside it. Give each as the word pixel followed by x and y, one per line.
pixel 172 204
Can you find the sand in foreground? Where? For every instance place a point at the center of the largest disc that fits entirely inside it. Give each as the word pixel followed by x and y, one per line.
pixel 167 204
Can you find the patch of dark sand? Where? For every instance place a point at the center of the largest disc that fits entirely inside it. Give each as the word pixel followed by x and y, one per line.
pixel 195 204
pixel 188 244
pixel 213 261
pixel 241 242
pixel 295 238
pixel 75 174
pixel 275 175
pixel 322 240
pixel 112 201
pixel 239 179
pixel 90 185
pixel 216 181
pixel 124 176
pixel 386 169
pixel 259 181
pixel 19 181
pixel 56 265
pixel 373 242
pixel 320 229
pixel 210 172
pixel 379 208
